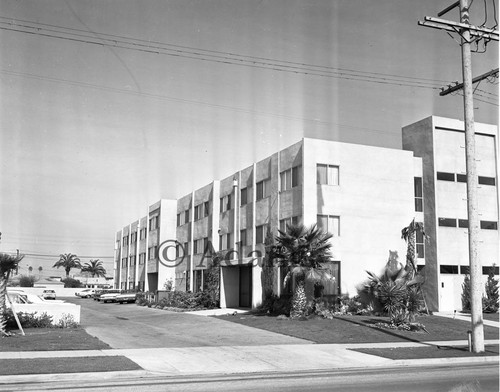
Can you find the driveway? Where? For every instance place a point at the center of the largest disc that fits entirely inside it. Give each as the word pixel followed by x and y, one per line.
pixel 125 326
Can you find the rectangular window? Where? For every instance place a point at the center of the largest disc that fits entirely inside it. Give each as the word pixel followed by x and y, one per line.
pixel 124 262
pixel 186 216
pixel 463 223
pixel 290 178
pixel 225 203
pixel 244 196
pixel 443 176
pixel 464 269
pixel 260 234
pixel 142 258
pixel 186 248
pixel 329 224
pixel 327 174
pixel 489 225
pixel 448 269
pixel 461 178
pixel 225 241
pixel 143 233
pixel 447 222
pixel 206 211
pixel 179 220
pixel 153 223
pixel 419 244
pixel 488 269
pixel 284 223
pixel 198 246
pixel 486 180
pixel 152 253
pixel 419 201
pixel 133 237
pixel 125 240
pixel 132 260
pixel 263 189
pixel 243 237
pixel 197 212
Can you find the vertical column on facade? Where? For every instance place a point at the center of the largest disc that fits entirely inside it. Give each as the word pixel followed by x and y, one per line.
pixel 146 261
pixel 191 244
pixel 120 246
pixel 278 203
pixel 137 254
pixel 129 251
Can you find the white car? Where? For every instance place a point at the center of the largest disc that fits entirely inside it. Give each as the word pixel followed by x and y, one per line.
pixel 110 296
pixel 87 293
pixel 20 297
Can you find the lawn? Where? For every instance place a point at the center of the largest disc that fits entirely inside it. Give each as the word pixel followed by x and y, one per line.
pixel 427 352
pixel 66 365
pixel 360 329
pixel 51 339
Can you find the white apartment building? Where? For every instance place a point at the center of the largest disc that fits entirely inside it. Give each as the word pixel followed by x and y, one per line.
pixel 363 195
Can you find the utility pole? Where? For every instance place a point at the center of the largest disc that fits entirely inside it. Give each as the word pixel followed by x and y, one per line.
pixel 469 34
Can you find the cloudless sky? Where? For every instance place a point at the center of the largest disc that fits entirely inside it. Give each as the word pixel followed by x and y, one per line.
pixel 92 134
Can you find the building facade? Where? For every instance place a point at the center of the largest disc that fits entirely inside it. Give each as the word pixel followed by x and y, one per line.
pixel 363 195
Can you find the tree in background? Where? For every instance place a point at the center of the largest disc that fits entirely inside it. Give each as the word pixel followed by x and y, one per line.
pixel 30 269
pixel 71 283
pixel 94 268
pixel 490 302
pixel 466 294
pixel 409 234
pixel 40 269
pixel 68 261
pixel 8 263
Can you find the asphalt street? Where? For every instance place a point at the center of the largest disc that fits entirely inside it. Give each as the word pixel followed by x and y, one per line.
pixel 445 378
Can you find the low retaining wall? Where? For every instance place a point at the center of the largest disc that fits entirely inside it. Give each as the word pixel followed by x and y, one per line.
pixel 60 291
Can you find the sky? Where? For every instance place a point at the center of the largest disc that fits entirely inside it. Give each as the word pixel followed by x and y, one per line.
pixel 107 106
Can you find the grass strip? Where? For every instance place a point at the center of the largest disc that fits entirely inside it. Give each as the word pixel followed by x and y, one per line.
pixel 428 352
pixel 51 339
pixel 18 366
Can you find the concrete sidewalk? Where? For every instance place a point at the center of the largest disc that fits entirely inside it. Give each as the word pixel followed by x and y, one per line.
pixel 466 317
pixel 190 361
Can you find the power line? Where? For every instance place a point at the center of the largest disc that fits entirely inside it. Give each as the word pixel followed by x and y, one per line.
pixel 274 65
pixel 154 46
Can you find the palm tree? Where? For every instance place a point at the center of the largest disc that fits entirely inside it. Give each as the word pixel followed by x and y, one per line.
pixel 409 234
pixel 94 268
pixel 68 261
pixel 303 251
pixel 40 269
pixel 8 263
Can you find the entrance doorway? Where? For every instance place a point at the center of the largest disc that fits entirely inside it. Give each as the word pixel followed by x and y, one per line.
pixel 245 286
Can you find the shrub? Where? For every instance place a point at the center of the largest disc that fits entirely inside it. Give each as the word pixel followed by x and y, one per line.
pixel 34 320
pixel 71 283
pixel 67 321
pixel 27 281
pixel 275 305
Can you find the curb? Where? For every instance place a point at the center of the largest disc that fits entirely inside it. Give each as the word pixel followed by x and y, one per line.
pixel 117 375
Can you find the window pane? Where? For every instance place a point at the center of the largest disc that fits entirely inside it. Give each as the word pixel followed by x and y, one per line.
pixel 461 178
pixel 486 180
pixel 419 205
pixel 489 225
pixel 334 225
pixel 296 176
pixel 322 221
pixel 445 176
pixel 448 269
pixel 333 175
pixel 321 174
pixel 260 190
pixel 418 186
pixel 243 196
pixel 463 223
pixel 420 251
pixel 447 222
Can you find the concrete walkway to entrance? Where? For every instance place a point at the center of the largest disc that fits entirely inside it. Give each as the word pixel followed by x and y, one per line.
pixel 466 317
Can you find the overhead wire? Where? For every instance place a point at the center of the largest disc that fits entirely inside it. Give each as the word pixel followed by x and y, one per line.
pixel 229 58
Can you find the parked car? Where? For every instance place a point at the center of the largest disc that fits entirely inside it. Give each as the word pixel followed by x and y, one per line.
pixel 126 297
pixel 49 294
pixel 86 293
pixel 109 296
pixel 97 295
pixel 25 298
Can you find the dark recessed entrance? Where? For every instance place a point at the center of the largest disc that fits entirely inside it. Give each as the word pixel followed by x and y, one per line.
pixel 245 286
